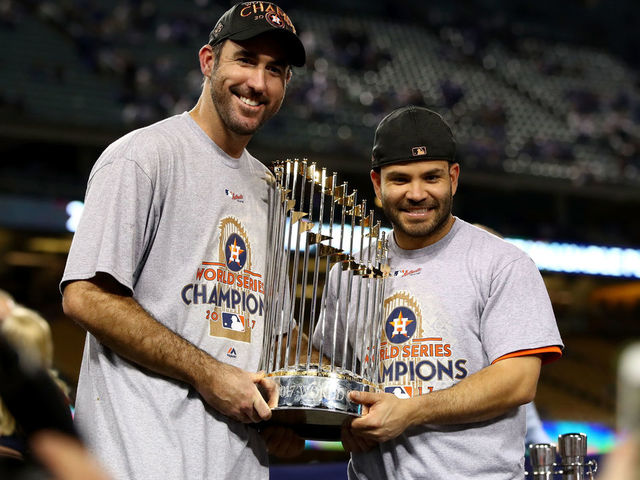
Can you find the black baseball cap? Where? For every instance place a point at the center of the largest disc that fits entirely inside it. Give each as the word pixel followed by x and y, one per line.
pixel 249 19
pixel 412 134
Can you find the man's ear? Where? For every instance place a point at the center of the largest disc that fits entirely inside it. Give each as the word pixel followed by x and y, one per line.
pixel 207 59
pixel 454 174
pixel 375 180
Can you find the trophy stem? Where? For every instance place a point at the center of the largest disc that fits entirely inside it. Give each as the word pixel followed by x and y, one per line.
pixel 349 277
pixel 360 279
pixel 294 273
pixel 326 273
pixel 383 268
pixel 305 267
pixel 343 219
pixel 368 275
pixel 281 262
pixel 316 269
pixel 269 271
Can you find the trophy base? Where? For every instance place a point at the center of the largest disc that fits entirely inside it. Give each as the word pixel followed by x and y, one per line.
pixel 315 405
pixel 311 424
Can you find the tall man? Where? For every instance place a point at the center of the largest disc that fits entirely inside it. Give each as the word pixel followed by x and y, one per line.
pixel 166 270
pixel 468 323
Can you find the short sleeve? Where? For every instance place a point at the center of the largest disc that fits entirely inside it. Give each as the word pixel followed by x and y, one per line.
pixel 115 226
pixel 518 316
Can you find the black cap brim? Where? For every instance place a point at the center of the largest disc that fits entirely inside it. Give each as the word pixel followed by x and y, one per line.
pixel 292 45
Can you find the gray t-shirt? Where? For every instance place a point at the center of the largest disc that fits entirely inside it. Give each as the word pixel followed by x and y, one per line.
pixel 450 310
pixel 182 225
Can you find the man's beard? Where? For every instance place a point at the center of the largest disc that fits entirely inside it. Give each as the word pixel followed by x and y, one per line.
pixel 222 102
pixel 422 229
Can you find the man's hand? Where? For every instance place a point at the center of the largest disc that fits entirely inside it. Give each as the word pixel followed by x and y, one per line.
pixel 387 416
pixel 353 442
pixel 282 442
pixel 234 392
pixel 269 390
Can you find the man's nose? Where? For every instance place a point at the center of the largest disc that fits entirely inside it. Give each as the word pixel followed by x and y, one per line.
pixel 257 79
pixel 416 192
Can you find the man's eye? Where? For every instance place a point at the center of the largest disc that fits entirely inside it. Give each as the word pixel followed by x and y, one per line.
pixel 275 70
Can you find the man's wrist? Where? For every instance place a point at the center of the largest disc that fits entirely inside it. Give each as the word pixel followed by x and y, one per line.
pixel 417 411
pixel 202 369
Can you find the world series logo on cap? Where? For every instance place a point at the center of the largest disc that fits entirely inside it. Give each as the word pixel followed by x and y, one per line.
pixel 274 20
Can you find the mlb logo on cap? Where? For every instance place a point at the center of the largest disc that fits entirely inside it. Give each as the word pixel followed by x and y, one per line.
pixel 416 151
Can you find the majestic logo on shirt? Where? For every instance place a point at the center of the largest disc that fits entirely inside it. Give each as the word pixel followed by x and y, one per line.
pixel 231 353
pixel 400 325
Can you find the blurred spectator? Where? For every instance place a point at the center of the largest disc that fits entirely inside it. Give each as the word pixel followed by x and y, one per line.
pixel 6 304
pixel 35 402
pixel 30 335
pixel 65 457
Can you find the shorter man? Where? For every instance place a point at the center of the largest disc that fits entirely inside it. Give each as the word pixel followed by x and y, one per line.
pixel 467 324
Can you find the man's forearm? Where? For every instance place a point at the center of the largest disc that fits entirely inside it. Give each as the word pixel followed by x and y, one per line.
pixel 120 323
pixel 484 395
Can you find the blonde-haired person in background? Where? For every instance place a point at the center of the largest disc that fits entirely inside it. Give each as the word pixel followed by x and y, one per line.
pixel 30 335
pixel 6 304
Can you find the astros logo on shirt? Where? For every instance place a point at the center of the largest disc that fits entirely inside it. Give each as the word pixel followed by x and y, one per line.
pixel 400 325
pixel 235 251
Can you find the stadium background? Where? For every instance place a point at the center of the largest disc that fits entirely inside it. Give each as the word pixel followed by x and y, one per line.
pixel 543 97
